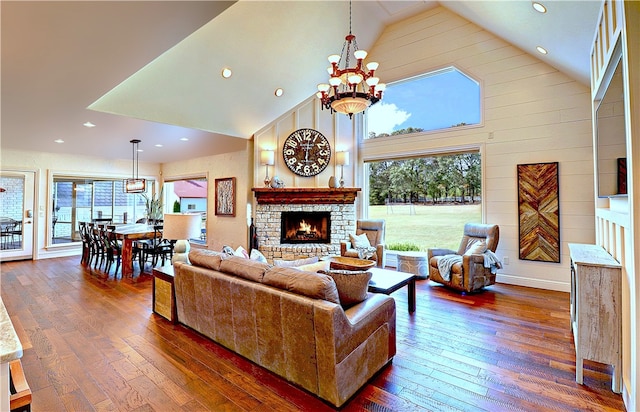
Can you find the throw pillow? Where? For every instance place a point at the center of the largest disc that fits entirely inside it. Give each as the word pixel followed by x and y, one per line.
pixel 228 250
pixel 476 248
pixel 352 286
pixel 359 241
pixel 321 265
pixel 294 263
pixel 257 255
pixel 241 252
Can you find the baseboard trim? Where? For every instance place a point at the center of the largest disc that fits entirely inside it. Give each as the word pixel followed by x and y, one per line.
pixel 533 283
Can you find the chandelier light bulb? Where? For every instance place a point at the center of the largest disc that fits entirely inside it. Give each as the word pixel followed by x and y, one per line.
pixel 372 65
pixel 334 58
pixel 372 81
pixel 335 81
pixel 360 54
pixel 323 87
pixel 380 87
pixel 355 79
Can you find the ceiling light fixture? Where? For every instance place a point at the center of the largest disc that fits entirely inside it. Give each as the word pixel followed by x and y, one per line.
pixel 58 141
pixel 541 50
pixel 135 184
pixel 350 89
pixel 539 7
pixel 279 92
pixel 88 124
pixel 226 72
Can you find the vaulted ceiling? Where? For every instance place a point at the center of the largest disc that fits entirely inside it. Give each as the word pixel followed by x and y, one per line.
pixel 150 70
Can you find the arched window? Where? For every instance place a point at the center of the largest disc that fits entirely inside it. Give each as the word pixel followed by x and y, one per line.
pixel 437 100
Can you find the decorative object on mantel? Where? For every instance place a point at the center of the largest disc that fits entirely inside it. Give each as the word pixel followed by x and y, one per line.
pixel 342 160
pixel 333 182
pixel 135 184
pixel 539 212
pixel 306 152
pixel 277 183
pixel 350 89
pixel 267 158
pixel 226 196
pixel 305 195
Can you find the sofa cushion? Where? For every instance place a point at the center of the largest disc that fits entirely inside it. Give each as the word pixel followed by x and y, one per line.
pixel 294 263
pixel 352 285
pixel 244 268
pixel 206 258
pixel 313 285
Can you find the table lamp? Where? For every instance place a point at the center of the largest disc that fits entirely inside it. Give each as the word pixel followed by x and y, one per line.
pixel 181 227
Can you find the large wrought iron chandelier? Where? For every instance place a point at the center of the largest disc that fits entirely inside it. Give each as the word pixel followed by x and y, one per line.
pixel 350 89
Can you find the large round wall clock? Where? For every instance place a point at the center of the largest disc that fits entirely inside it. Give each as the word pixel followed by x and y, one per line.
pixel 306 152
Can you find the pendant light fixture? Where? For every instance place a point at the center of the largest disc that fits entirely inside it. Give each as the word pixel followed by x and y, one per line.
pixel 135 184
pixel 350 89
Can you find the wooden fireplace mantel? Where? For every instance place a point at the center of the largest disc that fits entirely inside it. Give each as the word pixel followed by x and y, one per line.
pixel 305 195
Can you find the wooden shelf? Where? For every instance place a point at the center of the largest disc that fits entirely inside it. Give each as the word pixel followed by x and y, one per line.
pixel 306 195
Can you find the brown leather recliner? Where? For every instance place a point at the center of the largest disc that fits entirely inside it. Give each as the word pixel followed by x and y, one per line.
pixel 374 229
pixel 470 274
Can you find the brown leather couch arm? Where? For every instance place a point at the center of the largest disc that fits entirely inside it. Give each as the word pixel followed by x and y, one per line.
pixel 471 263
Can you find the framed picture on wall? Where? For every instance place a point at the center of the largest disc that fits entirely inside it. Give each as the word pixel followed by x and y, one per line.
pixel 226 196
pixel 539 212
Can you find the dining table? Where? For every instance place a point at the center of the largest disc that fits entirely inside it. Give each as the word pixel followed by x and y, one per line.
pixel 128 233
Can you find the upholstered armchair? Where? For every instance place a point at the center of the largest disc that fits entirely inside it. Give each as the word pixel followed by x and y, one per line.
pixel 471 267
pixel 357 245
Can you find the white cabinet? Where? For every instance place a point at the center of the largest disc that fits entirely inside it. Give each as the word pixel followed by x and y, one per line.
pixel 596 309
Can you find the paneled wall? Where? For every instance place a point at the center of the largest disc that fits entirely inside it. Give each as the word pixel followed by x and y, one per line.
pixel 531 113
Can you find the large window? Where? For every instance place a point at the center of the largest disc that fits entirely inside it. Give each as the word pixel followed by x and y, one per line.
pixel 84 199
pixel 437 100
pixel 425 201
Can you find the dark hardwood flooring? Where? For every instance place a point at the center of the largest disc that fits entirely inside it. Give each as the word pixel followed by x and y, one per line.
pixel 92 343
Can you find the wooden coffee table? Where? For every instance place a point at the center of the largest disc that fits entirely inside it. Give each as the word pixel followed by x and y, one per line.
pixel 388 281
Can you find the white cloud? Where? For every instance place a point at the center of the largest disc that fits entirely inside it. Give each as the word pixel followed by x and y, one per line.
pixel 384 117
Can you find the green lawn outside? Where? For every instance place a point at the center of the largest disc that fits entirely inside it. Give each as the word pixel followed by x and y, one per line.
pixel 426 226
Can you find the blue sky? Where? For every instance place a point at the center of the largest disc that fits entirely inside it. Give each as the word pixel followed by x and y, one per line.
pixel 435 101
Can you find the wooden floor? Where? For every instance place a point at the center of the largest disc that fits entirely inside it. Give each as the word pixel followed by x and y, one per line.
pixel 93 343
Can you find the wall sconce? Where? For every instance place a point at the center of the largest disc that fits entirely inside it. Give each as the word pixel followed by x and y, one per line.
pixel 342 160
pixel 267 158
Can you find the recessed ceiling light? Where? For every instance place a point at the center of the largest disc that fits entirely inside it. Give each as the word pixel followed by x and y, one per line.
pixel 279 92
pixel 539 7
pixel 541 50
pixel 88 124
pixel 158 145
pixel 59 141
pixel 226 72
pixel 184 139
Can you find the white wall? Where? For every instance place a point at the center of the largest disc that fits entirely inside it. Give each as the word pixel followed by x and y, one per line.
pixel 531 113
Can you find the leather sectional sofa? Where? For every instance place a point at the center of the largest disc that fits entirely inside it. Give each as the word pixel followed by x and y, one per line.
pixel 288 321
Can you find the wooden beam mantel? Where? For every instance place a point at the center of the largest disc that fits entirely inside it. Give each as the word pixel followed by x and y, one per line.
pixel 306 195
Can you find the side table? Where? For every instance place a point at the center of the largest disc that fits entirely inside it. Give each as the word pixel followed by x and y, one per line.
pixel 164 300
pixel 414 262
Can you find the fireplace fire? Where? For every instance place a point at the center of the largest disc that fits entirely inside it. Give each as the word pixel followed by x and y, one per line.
pixel 305 227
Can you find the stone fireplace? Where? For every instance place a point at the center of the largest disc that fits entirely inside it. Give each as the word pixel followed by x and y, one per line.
pixel 336 205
